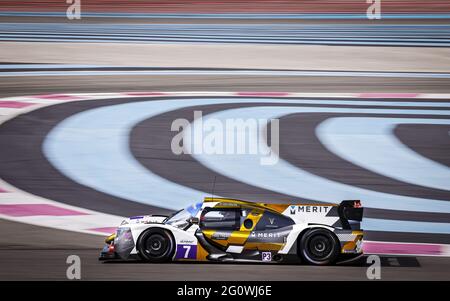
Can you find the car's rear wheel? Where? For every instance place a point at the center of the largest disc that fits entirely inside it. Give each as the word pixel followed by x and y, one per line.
pixel 319 246
pixel 156 245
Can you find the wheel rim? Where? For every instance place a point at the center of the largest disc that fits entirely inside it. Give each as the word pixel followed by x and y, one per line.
pixel 156 246
pixel 320 247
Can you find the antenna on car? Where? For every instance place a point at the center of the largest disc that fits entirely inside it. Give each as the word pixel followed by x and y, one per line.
pixel 213 187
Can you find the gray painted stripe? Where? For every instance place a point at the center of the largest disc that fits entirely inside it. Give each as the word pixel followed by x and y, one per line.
pixel 335 34
pixel 230 73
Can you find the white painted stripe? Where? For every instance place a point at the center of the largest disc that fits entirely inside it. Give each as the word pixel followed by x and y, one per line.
pixel 433 96
pixel 7 111
pixel 79 223
pixel 17 198
pixel 445 250
pixel 95 96
pixel 19 98
pixel 72 223
pixel 370 143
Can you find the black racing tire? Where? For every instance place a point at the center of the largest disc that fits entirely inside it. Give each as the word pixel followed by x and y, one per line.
pixel 156 245
pixel 319 246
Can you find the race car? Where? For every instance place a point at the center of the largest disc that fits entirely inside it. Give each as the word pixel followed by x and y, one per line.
pixel 230 230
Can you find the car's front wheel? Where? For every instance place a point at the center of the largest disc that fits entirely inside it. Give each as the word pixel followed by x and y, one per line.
pixel 319 246
pixel 156 245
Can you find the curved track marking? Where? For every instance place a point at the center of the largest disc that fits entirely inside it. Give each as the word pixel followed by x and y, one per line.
pixel 370 143
pixel 284 177
pixel 105 130
pixel 13 195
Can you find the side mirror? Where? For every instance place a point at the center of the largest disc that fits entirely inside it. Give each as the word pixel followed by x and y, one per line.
pixel 194 220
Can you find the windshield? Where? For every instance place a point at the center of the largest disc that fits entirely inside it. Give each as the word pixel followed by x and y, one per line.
pixel 181 218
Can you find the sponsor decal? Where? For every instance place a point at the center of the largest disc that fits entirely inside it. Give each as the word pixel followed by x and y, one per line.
pixel 309 209
pixel 187 242
pixel 220 235
pixel 266 256
pixel 271 220
pixel 265 234
pixel 186 252
pixel 293 210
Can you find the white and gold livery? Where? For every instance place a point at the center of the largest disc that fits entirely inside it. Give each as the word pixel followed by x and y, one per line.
pixel 220 229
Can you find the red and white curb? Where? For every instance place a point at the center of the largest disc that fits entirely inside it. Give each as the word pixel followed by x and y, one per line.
pixel 20 206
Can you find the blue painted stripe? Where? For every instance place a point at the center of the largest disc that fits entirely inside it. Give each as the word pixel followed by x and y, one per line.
pixel 329 34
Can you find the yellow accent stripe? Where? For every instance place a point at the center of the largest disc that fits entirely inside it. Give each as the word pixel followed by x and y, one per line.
pixel 254 216
pixel 266 246
pixel 110 238
pixel 201 253
pixel 233 203
pixel 238 238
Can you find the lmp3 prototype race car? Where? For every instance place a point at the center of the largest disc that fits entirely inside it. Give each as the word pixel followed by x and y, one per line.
pixel 224 230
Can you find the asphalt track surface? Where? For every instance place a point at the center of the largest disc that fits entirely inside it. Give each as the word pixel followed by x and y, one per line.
pixel 43 249
pixel 36 253
pixel 19 86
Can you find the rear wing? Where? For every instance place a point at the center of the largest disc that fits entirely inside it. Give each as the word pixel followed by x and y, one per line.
pixel 351 214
